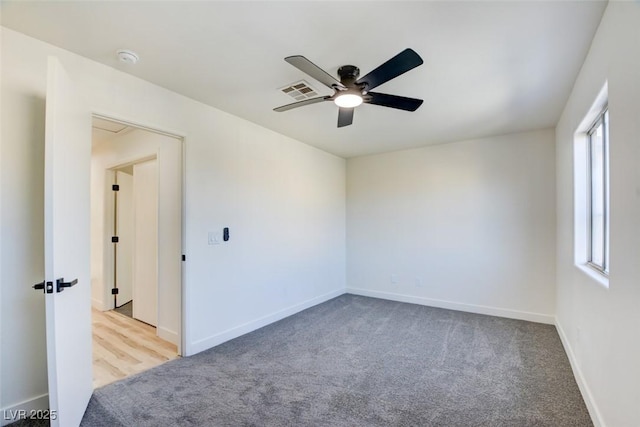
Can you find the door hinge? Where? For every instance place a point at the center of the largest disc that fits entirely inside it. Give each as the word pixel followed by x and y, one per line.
pixel 115 291
pixel 115 187
pixel 184 257
pixel 114 239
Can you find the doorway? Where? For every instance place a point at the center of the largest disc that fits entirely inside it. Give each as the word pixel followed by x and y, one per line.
pixel 136 242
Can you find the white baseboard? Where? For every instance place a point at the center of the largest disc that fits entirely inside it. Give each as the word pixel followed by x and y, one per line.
pixel 471 308
pixel 582 383
pixel 229 334
pixel 168 335
pixel 24 409
pixel 97 304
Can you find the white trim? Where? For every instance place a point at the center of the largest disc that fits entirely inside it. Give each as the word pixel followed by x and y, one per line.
pixel 183 346
pixel 245 328
pixel 594 274
pixel 133 160
pixel 471 308
pixel 596 418
pixel 101 114
pixel 168 335
pixel 39 403
pixel 97 304
pixel 598 105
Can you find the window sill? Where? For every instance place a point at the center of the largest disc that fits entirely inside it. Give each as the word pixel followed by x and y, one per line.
pixel 594 274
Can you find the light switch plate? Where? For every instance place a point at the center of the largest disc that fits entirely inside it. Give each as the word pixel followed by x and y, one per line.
pixel 214 238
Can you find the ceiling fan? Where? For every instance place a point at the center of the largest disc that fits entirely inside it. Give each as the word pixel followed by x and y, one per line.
pixel 352 91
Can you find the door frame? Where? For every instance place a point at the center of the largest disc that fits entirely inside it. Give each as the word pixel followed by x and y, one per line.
pixel 182 138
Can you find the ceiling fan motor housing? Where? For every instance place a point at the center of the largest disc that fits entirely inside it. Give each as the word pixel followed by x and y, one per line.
pixel 348 74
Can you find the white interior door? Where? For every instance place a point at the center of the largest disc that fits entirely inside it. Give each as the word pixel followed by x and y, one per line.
pixel 67 243
pixel 124 254
pixel 145 260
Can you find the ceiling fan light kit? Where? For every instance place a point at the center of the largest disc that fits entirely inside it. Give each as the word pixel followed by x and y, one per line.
pixel 352 91
pixel 348 100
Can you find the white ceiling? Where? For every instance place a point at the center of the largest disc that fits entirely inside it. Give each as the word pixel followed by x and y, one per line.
pixel 490 67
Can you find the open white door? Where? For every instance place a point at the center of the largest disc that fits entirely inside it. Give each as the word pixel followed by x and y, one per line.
pixel 67 242
pixel 145 258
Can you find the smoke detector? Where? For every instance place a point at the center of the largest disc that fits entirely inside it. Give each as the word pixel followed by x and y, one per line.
pixel 128 56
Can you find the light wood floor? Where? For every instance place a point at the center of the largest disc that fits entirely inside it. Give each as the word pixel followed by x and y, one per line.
pixel 123 346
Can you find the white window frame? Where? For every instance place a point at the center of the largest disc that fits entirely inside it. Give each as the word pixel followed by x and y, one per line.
pixel 602 119
pixel 582 190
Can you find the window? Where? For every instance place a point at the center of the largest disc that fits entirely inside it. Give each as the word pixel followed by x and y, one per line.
pixel 598 193
pixel 591 190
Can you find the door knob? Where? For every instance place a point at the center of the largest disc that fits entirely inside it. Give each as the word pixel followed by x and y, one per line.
pixel 61 284
pixel 46 287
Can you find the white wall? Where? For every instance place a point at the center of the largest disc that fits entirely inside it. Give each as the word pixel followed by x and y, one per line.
pixel 600 327
pixel 283 201
pixel 106 154
pixel 467 225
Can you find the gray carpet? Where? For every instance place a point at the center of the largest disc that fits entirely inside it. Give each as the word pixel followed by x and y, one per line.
pixel 356 361
pixel 30 423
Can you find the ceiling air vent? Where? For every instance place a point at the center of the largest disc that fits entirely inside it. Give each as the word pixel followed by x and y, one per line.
pixel 299 90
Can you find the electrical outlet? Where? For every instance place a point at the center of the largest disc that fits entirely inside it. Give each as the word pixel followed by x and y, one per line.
pixel 394 279
pixel 418 282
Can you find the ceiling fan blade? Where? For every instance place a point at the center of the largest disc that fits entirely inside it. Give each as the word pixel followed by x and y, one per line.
pixel 406 60
pixel 393 101
pixel 301 103
pixel 345 117
pixel 306 66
